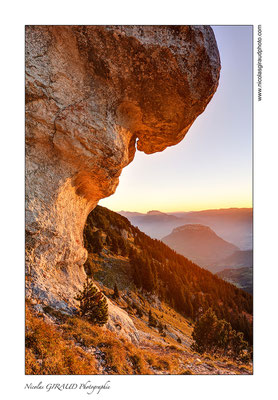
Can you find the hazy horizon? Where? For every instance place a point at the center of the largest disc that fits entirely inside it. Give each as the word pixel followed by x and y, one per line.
pixel 180 211
pixel 211 167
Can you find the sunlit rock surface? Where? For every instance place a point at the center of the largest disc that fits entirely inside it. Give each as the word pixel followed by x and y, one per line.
pixel 91 93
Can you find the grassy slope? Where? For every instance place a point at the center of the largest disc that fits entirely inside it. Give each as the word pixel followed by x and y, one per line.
pixel 59 344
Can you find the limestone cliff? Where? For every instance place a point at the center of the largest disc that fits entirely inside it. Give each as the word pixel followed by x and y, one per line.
pixel 92 92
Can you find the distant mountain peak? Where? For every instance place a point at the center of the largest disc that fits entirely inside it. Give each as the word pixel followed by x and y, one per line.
pixel 155 212
pixel 193 227
pixel 199 243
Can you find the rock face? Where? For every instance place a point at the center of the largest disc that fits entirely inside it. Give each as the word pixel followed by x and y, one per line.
pixel 92 92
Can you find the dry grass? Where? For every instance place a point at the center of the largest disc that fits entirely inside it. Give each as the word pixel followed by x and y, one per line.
pixel 231 364
pixel 208 357
pixel 246 367
pixel 210 364
pixel 74 346
pixel 48 353
pixel 120 356
pixel 167 363
pixel 71 348
pixel 186 372
pixel 176 320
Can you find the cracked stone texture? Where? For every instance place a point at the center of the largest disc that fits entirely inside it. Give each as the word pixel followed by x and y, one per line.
pixel 91 93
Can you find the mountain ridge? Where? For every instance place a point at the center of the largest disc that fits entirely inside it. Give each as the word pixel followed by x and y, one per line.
pixel 151 265
pixel 199 243
pixel 232 224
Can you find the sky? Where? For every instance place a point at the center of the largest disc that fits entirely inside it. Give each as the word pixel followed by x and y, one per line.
pixel 212 167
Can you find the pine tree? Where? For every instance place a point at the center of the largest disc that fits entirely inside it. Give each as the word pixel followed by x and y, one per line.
pixel 122 246
pixel 152 320
pixel 204 332
pixel 116 293
pixel 155 276
pixel 147 276
pixel 160 328
pixel 108 240
pixel 136 277
pixel 115 245
pixel 97 243
pixel 124 250
pixel 139 312
pixel 238 345
pixel 213 335
pixel 92 304
pixel 136 264
pixel 189 307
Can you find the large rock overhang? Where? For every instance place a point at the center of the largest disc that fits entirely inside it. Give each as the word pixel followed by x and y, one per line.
pixel 92 92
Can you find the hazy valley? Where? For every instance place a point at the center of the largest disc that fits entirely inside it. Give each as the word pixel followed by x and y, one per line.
pixel 232 224
pixel 217 240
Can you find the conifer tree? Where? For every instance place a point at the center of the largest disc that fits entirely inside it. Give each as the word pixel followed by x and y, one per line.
pixel 97 243
pixel 147 276
pixel 160 328
pixel 152 320
pixel 136 264
pixel 108 240
pixel 122 246
pixel 238 345
pixel 115 245
pixel 189 309
pixel 92 304
pixel 116 293
pixel 136 276
pixel 213 335
pixel 204 332
pixel 124 249
pixel 139 312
